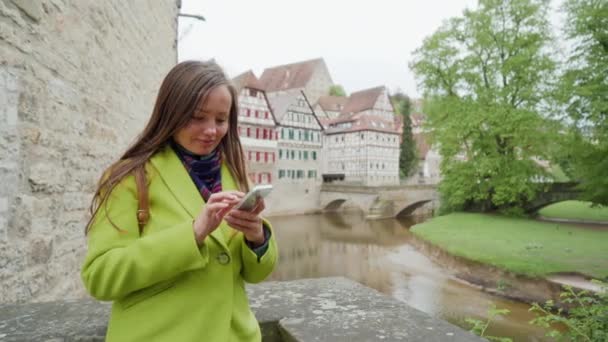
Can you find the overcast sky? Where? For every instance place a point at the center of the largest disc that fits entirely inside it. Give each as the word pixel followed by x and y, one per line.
pixel 364 43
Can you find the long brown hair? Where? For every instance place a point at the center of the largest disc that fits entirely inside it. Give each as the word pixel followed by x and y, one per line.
pixel 184 88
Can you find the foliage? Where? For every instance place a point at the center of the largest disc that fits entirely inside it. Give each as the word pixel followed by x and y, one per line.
pixel 485 76
pixel 479 327
pixel 408 158
pixel 584 94
pixel 337 90
pixel 587 320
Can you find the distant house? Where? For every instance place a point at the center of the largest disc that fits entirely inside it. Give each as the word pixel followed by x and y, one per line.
pixel 329 107
pixel 299 143
pixel 428 156
pixel 257 128
pixel 311 76
pixel 363 141
pixel 429 160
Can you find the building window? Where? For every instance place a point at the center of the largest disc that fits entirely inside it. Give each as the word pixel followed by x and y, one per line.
pixel 300 173
pixel 265 157
pixel 257 156
pixel 281 174
pixel 290 134
pixel 265 134
pixel 314 155
pixel 293 154
pixel 305 155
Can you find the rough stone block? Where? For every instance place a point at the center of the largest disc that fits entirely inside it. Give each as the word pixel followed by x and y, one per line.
pixel 32 8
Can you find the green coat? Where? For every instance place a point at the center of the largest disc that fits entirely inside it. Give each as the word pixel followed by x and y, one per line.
pixel 163 286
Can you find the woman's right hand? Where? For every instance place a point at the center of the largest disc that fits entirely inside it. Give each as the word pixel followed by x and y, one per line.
pixel 213 212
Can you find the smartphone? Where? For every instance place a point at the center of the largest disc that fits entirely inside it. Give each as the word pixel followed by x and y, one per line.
pixel 248 202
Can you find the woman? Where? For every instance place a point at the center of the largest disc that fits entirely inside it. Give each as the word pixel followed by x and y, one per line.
pixel 165 244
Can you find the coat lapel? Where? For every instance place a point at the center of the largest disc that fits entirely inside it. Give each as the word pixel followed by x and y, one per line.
pixel 174 175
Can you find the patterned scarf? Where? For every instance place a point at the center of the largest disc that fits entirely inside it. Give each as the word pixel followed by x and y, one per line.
pixel 205 171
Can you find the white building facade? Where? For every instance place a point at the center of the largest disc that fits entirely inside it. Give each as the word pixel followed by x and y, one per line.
pixel 257 129
pixel 363 143
pixel 299 140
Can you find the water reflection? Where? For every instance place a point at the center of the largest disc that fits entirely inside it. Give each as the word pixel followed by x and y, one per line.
pixel 379 255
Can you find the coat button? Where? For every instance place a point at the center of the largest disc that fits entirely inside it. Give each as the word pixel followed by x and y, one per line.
pixel 223 258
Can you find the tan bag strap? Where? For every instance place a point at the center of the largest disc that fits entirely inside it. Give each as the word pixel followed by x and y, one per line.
pixel 143 209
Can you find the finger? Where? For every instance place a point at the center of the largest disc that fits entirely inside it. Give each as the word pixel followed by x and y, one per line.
pixel 222 212
pixel 244 215
pixel 228 196
pixel 213 207
pixel 244 225
pixel 259 207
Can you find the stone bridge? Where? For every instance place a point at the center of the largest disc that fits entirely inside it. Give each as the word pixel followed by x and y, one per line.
pixel 553 193
pixel 378 201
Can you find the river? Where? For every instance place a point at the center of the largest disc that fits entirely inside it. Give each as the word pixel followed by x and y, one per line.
pixel 379 254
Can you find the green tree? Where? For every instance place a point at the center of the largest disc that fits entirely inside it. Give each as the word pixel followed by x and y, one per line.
pixel 584 92
pixel 586 319
pixel 485 76
pixel 408 158
pixel 337 90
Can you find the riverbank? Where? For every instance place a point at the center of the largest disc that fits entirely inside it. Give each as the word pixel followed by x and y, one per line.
pixel 575 211
pixel 522 246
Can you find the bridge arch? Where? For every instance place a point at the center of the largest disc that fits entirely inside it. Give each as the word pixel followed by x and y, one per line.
pixel 410 207
pixel 555 192
pixel 335 204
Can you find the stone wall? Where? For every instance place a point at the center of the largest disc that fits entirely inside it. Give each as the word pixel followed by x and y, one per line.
pixel 328 309
pixel 78 81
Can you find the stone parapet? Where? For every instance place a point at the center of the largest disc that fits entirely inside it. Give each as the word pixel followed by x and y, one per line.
pixel 327 309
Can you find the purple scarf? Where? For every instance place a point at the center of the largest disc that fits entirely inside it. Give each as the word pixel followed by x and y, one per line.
pixel 205 171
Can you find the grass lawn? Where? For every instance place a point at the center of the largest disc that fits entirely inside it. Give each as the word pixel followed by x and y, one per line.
pixel 520 245
pixel 575 210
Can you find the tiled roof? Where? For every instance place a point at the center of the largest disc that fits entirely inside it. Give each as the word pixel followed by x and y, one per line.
pixel 280 104
pixel 332 103
pixel 362 122
pixel 289 76
pixel 247 79
pixel 362 100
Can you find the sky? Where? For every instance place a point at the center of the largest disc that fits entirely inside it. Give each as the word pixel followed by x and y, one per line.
pixel 364 43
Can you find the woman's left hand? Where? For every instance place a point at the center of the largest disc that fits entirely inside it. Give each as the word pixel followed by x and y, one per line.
pixel 248 222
